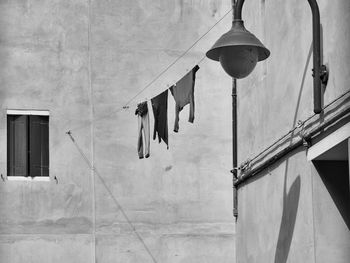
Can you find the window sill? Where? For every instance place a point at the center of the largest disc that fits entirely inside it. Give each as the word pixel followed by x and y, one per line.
pixel 30 179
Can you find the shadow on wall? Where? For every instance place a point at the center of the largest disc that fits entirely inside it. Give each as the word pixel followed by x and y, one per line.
pixel 290 199
pixel 289 215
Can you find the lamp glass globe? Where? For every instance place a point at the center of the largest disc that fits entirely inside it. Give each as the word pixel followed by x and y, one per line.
pixel 238 61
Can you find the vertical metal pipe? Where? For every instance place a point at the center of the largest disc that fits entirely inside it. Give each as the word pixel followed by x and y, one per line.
pixel 234 125
pixel 316 42
pixel 234 146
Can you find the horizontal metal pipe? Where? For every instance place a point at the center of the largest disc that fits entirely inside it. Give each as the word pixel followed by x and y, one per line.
pixel 269 162
pixel 290 148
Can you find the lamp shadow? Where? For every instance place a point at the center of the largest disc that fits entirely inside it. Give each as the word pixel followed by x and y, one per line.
pixel 289 215
pixel 290 199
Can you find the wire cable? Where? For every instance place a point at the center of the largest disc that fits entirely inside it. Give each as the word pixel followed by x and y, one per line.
pixel 127 104
pixel 125 107
pixel 178 58
pixel 95 171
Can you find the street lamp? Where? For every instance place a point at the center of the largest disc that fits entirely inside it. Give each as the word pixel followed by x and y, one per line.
pixel 238 51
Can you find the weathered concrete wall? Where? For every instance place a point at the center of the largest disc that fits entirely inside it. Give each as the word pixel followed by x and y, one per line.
pixel 83 60
pixel 275 215
pixel 44 51
pixel 277 210
pixel 179 200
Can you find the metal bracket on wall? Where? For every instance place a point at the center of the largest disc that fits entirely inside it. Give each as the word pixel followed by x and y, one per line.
pixel 234 171
pixel 307 142
pixel 324 74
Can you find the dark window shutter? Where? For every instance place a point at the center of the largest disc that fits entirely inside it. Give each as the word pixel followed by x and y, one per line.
pixel 45 145
pixel 17 145
pixel 39 146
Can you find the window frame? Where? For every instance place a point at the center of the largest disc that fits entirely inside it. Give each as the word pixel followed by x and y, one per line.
pixel 44 113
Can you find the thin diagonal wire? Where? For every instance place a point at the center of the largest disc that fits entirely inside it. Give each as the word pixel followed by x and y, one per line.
pixel 178 58
pixel 296 127
pixel 198 63
pixel 122 108
pixel 93 168
pixel 99 119
pixel 126 105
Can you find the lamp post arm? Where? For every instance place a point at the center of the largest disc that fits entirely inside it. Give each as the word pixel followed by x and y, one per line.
pixel 237 13
pixel 319 71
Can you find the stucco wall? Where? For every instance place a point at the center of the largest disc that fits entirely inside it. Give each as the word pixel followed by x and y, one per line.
pixel 83 60
pixel 277 220
pixel 179 200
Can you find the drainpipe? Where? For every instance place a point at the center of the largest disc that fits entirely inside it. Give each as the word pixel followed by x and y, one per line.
pixel 234 171
pixel 234 147
pixel 320 72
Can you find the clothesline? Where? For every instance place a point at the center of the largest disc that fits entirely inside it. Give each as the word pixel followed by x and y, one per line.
pixel 127 104
pixel 183 94
pixel 178 58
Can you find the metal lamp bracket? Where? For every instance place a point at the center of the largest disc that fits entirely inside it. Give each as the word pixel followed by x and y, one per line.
pixel 320 71
pixel 324 74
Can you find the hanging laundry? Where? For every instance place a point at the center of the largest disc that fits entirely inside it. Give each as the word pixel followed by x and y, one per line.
pixel 183 93
pixel 143 128
pixel 160 112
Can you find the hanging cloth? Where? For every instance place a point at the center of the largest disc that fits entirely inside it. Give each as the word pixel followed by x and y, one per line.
pixel 143 128
pixel 183 93
pixel 160 112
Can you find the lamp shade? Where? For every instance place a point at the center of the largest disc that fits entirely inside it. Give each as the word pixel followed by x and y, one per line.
pixel 238 51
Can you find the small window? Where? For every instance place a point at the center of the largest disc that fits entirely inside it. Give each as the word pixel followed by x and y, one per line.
pixel 27 144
